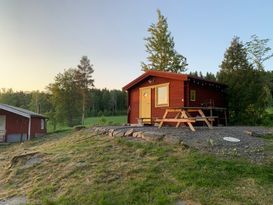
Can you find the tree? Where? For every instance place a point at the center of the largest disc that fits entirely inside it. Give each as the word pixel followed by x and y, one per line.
pixel 84 81
pixel 258 51
pixel 235 57
pixel 65 98
pixel 210 76
pixel 160 48
pixel 247 87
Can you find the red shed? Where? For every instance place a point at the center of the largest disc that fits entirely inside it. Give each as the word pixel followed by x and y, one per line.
pixel 153 91
pixel 17 124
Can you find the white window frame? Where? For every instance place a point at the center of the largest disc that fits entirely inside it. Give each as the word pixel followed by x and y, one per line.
pixel 168 95
pixel 192 95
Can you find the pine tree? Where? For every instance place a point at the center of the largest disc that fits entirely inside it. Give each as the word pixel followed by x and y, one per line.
pixel 246 87
pixel 235 57
pixel 160 48
pixel 84 80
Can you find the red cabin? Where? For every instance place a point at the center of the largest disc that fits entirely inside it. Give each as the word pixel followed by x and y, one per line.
pixel 17 124
pixel 153 91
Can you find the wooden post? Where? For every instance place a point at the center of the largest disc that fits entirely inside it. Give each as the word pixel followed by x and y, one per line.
pixel 205 119
pixel 225 113
pixel 164 117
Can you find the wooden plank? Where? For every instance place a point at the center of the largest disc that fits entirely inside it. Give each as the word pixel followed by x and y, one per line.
pixel 176 120
pixel 205 120
pixel 191 127
pixel 176 116
pixel 164 116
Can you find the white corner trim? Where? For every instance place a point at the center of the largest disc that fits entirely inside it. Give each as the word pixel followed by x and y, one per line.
pixel 29 128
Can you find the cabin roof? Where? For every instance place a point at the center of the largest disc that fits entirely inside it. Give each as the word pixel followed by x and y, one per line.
pixel 164 74
pixel 20 111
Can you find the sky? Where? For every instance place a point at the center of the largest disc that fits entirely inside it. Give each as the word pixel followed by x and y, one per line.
pixel 39 39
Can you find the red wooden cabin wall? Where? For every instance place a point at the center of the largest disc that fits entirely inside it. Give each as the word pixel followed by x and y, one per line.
pixel 176 97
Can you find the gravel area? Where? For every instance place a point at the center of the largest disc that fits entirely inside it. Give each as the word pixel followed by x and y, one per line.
pixel 250 146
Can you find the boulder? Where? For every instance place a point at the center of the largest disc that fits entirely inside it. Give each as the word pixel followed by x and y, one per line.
pixel 129 132
pixel 138 134
pixel 110 132
pixel 152 136
pixel 118 133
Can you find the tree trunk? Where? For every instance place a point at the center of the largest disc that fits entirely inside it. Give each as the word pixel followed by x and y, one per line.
pixel 83 108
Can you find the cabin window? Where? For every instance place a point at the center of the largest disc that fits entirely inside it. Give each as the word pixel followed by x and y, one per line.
pixel 162 95
pixel 42 124
pixel 193 95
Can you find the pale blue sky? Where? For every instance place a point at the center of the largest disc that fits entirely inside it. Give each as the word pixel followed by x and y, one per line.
pixel 39 39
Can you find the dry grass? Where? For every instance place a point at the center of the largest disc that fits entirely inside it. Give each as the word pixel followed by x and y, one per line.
pixel 82 168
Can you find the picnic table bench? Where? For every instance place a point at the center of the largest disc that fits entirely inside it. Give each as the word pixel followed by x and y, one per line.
pixel 183 115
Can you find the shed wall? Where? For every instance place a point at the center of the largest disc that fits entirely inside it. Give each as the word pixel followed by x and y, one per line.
pixel 176 97
pixel 17 126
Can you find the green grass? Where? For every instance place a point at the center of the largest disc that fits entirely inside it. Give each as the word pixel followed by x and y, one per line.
pixel 82 168
pixel 115 120
pixel 91 121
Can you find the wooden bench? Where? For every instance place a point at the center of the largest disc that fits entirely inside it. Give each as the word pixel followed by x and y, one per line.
pixel 178 121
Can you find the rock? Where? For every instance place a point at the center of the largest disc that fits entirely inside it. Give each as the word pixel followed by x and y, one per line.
pixel 129 132
pixel 34 160
pixel 248 132
pixel 110 132
pixel 138 134
pixel 118 133
pixel 101 131
pixel 152 136
pixel 23 159
pixel 16 200
pixel 184 145
pixel 172 139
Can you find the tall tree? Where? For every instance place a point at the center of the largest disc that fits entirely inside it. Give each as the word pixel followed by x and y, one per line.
pixel 84 81
pixel 65 98
pixel 160 44
pixel 235 57
pixel 258 51
pixel 247 87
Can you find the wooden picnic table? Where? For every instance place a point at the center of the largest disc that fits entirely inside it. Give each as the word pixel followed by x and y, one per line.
pixel 184 115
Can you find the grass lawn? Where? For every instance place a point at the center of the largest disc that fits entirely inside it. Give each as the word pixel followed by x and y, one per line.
pixel 104 120
pixel 116 120
pixel 83 168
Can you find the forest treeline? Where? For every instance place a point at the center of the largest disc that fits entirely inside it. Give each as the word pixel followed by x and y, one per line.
pixel 100 102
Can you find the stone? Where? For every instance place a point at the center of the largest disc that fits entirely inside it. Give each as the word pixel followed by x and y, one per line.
pixel 110 133
pixel 184 145
pixel 129 132
pixel 15 200
pixel 172 139
pixel 118 133
pixel 152 136
pixel 137 134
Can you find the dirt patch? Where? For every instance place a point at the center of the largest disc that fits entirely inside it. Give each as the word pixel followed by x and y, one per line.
pixel 16 200
pixel 25 160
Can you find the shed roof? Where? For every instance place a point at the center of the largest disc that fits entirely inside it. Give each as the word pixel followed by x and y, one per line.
pixel 20 111
pixel 164 74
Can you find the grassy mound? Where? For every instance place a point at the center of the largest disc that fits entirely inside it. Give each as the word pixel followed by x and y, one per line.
pixel 83 168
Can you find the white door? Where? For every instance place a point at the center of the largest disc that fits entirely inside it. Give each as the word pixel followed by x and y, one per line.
pixel 2 122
